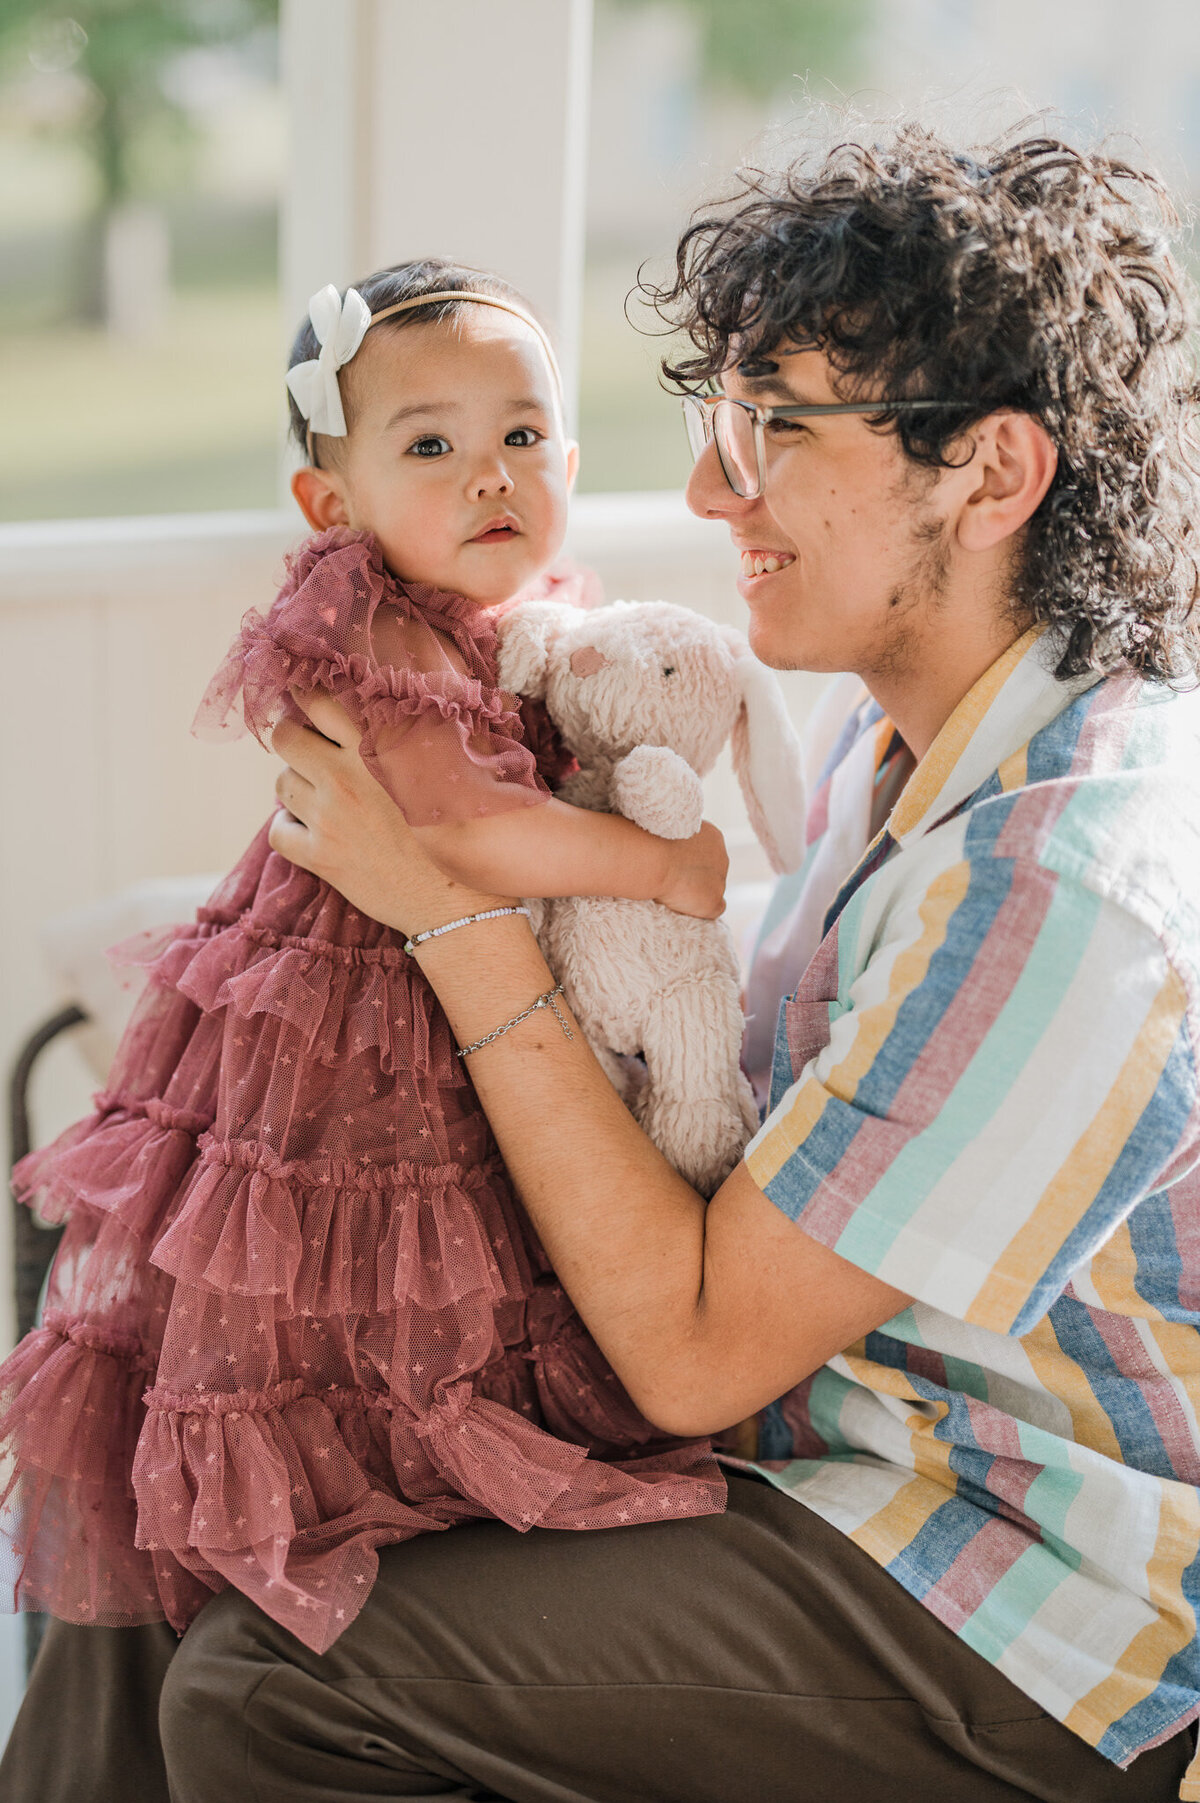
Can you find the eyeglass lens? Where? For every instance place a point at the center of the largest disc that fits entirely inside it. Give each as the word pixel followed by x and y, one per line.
pixel 733 429
pixel 696 420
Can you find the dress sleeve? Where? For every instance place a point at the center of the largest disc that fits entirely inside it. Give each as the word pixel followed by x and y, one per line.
pixel 447 745
pixel 1003 1081
pixel 441 738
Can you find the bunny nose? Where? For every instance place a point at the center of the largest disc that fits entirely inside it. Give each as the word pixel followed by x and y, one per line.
pixel 587 660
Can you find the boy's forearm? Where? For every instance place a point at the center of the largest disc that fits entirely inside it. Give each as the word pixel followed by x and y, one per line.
pixel 551 850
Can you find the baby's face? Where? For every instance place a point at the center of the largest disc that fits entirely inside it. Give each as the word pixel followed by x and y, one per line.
pixel 456 458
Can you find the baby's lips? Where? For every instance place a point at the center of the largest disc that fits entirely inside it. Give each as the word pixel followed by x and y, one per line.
pixel 505 523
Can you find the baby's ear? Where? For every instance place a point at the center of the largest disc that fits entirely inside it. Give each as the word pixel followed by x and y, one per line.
pixel 769 767
pixel 527 636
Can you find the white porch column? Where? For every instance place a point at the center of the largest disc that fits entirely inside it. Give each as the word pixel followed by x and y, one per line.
pixel 456 128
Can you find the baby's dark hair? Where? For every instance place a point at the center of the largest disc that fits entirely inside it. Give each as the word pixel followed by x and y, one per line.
pixel 426 275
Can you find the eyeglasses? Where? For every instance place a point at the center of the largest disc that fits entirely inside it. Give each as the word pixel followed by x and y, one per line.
pixel 736 427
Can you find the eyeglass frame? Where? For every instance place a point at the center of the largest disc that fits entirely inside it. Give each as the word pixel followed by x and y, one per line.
pixel 698 406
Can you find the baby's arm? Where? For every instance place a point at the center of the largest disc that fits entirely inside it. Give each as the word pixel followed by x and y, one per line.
pixel 555 849
pixel 552 849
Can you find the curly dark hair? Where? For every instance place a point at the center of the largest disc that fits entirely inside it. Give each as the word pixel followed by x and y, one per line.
pixel 1028 275
pixel 403 281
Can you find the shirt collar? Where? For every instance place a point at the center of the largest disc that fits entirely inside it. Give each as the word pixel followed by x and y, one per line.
pixel 1011 702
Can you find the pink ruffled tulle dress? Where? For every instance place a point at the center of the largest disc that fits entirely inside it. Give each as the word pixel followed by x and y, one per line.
pixel 297 1312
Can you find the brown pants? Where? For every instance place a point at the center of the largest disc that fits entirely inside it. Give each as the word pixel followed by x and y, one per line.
pixel 757 1656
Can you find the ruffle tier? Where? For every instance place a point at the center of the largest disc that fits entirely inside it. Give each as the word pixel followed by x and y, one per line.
pixel 71 1396
pixel 342 1000
pixel 231 1217
pixel 128 1160
pixel 251 1224
pixel 146 1501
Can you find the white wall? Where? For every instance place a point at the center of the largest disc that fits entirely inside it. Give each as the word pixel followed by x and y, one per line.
pixel 457 129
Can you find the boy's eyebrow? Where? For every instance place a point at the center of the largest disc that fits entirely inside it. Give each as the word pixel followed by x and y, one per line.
pixel 772 381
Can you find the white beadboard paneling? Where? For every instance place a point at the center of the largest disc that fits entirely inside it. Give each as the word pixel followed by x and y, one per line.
pixel 190 804
pixel 51 816
pixel 108 633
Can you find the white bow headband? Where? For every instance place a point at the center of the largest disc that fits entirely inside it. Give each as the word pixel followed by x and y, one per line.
pixel 341 325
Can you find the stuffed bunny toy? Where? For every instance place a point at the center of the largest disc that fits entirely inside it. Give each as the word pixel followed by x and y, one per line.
pixel 645 694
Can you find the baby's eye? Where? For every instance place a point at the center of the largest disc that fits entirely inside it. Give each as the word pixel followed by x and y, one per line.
pixel 523 437
pixel 429 446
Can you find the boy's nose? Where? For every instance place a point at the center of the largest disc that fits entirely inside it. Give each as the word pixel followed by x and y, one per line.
pixel 708 493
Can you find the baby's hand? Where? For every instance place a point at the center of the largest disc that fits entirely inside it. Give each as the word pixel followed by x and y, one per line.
pixel 697 870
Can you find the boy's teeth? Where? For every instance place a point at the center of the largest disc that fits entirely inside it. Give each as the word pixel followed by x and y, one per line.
pixel 760 563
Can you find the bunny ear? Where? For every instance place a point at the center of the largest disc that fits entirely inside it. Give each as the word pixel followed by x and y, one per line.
pixel 768 764
pixel 526 635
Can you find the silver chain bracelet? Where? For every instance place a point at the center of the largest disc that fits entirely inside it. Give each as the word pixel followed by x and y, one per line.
pixel 549 1000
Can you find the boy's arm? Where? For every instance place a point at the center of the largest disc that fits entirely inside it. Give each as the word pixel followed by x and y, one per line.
pixel 556 849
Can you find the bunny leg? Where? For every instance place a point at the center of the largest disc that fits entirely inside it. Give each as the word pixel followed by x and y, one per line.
pixel 585 942
pixel 626 1075
pixel 696 1104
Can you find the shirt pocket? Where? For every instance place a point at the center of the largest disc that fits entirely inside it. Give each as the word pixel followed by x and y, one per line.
pixel 808 1026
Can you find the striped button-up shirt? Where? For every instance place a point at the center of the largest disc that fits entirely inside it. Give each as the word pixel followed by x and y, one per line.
pixel 984 1092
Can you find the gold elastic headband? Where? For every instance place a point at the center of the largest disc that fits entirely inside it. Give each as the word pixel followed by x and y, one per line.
pixel 460 294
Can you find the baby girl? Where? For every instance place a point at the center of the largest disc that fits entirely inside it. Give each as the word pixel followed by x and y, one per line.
pixel 297 1312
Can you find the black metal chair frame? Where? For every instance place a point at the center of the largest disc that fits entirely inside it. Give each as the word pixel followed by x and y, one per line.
pixel 33 1246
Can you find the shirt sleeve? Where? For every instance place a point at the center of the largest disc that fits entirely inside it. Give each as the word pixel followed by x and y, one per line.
pixel 1009 1072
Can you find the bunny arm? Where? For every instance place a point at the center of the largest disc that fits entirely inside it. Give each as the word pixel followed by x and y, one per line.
pixel 527 634
pixel 655 788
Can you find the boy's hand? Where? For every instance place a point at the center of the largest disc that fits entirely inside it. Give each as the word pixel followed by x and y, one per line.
pixel 697 871
pixel 341 825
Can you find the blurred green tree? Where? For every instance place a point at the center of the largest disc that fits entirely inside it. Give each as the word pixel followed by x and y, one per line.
pixel 121 49
pixel 757 45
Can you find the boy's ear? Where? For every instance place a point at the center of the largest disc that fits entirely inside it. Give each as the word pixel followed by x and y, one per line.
pixel 1014 460
pixel 572 463
pixel 320 497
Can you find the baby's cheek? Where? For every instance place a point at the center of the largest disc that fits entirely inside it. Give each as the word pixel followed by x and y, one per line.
pixel 550 521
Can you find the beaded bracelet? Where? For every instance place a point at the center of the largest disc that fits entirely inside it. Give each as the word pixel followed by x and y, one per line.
pixel 410 945
pixel 549 1000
